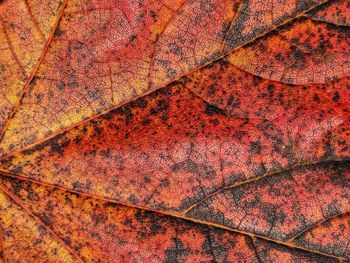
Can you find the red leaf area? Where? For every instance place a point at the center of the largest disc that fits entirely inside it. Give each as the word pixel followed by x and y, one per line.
pixel 175 131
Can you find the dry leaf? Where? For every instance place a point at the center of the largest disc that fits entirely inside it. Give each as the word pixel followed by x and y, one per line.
pixel 175 131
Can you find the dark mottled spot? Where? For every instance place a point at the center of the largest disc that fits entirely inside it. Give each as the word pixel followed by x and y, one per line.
pixel 273 216
pixel 336 96
pixel 262 47
pixel 255 148
pixel 99 218
pixel 299 57
pixel 162 105
pixel 95 235
pixel 153 14
pixel 187 166
pixel 106 153
pixel 165 183
pixel 278 57
pixel 33 81
pixel 177 252
pixel 215 122
pixel 155 224
pixel 127 112
pixel 316 98
pixel 139 103
pixel 42 230
pixel 58 32
pixel 39 97
pixel 171 73
pixel 61 85
pixel 45 219
pixel 81 186
pixel 212 110
pixel 210 249
pixel 110 230
pixel 334 208
pixel 339 179
pixel 140 17
pixel 133 199
pixel 79 45
pixel 67 240
pixel 127 222
pixel 235 177
pixel 16 170
pixel 146 122
pixel 270 89
pixel 132 38
pixel 56 147
pixel 234 103
pixel 212 89
pixel 256 80
pixel 259 170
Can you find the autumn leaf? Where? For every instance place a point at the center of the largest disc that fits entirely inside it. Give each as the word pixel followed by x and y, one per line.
pixel 175 131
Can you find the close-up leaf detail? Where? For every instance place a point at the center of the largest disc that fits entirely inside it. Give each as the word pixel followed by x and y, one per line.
pixel 175 131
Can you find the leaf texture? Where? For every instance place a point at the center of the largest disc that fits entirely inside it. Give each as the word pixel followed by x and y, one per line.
pixel 25 30
pixel 91 229
pixel 174 131
pixel 104 54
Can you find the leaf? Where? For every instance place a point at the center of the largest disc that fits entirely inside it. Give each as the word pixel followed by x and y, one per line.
pixel 126 51
pixel 335 12
pixel 93 229
pixel 25 30
pixel 175 131
pixel 280 207
pixel 307 52
pixel 329 236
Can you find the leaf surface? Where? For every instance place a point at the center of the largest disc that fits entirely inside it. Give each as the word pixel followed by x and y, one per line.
pixel 25 31
pixel 174 131
pixel 104 54
pixel 93 229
